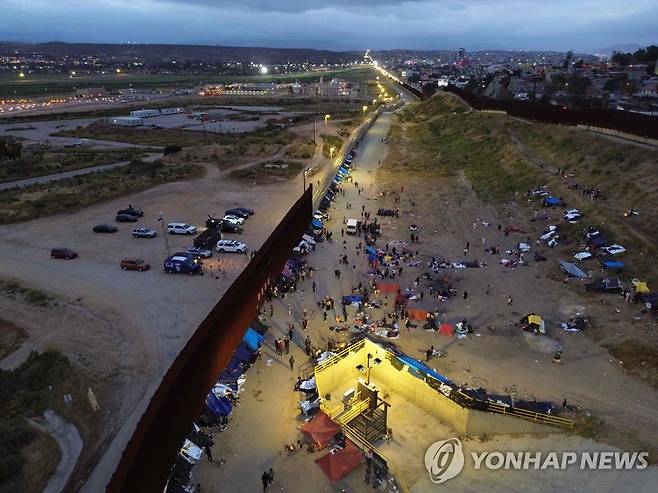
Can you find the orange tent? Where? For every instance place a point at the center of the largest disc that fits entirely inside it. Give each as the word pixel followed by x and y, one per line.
pixel 320 430
pixel 387 287
pixel 339 464
pixel 416 314
pixel 446 330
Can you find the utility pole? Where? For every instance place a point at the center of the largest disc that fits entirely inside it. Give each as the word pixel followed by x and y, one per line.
pixel 165 236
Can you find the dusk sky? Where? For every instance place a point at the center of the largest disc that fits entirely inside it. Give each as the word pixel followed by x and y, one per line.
pixel 338 24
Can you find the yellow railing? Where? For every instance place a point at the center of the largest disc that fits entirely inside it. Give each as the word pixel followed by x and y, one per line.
pixel 339 355
pixel 531 415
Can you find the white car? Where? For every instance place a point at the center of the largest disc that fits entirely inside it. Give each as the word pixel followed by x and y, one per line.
pixel 199 252
pixel 614 249
pixel 231 246
pixel 181 229
pixel 234 219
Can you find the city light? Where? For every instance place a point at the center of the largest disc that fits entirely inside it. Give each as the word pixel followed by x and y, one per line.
pixel 263 70
pixel 21 75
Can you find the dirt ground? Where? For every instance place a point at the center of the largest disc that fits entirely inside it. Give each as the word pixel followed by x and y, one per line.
pixel 497 356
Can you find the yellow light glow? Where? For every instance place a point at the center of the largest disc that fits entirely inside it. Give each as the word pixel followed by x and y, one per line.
pixel 21 75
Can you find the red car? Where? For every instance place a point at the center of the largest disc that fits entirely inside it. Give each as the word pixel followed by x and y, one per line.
pixel 65 253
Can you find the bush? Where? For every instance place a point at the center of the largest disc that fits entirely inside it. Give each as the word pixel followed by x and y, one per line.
pixel 171 149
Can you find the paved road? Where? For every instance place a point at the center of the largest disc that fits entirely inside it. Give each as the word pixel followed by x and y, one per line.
pixel 27 182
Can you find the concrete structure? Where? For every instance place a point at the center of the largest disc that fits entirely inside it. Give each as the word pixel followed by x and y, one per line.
pixel 126 121
pixel 368 360
pixel 171 111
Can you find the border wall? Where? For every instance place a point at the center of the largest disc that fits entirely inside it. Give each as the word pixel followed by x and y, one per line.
pixel 622 121
pixel 180 397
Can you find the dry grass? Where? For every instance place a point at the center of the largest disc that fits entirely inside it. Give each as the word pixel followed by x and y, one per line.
pixel 81 191
pixel 41 456
pixel 274 170
pixel 11 337
pixel 301 150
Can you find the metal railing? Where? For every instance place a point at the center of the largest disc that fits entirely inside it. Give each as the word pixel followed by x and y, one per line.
pixel 338 356
pixel 535 416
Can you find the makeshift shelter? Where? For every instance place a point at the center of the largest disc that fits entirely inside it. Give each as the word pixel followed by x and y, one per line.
pixel 550 201
pixel 253 339
pixel 336 465
pixel 219 406
pixel 244 353
pixel 316 223
pixel 640 287
pixel 612 265
pixel 320 430
pixel 353 299
pixel 420 370
pixel 571 270
pixel 417 314
pixel 535 323
pixel 446 330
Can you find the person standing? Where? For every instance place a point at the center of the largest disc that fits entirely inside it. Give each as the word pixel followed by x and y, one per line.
pixel 313 285
pixel 286 343
pixel 265 478
pixel 270 476
pixel 509 301
pixel 289 310
pixel 465 295
pixel 292 362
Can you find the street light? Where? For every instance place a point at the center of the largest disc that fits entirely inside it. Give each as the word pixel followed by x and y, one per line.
pixel 326 118
pixel 331 152
pixel 365 107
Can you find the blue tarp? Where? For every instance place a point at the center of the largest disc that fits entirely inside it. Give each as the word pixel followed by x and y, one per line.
pixel 348 300
pixel 371 250
pixel 612 264
pixel 316 223
pixel 243 352
pixel 422 369
pixel 219 406
pixel 235 368
pixel 550 200
pixel 253 339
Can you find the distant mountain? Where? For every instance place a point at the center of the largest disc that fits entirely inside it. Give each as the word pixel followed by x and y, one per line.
pixel 624 48
pixel 200 53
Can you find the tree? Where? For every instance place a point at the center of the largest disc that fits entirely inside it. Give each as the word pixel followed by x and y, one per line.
pixel 429 89
pixel 10 149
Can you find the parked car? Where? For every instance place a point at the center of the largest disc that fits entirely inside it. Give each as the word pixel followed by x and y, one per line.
pixel 131 211
pixel 65 253
pixel 234 219
pixel 614 249
pixel 231 246
pixel 134 264
pixel 604 286
pixel 144 233
pixel 126 218
pixel 228 227
pixel 105 228
pixel 181 229
pixel 199 252
pixel 247 210
pixel 237 213
pixel 182 263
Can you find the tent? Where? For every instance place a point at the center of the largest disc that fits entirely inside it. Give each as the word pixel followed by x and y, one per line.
pixel 243 353
pixel 320 430
pixel 354 299
pixel 571 269
pixel 550 200
pixel 219 406
pixel 417 314
pixel 316 223
pixel 612 264
pixel 339 464
pixel 388 287
pixel 253 339
pixel 446 330
pixel 422 369
pixel 640 287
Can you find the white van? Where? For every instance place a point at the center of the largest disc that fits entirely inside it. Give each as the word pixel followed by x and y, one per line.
pixel 350 226
pixel 181 229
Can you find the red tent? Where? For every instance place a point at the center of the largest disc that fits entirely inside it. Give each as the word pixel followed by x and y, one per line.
pixel 339 464
pixel 416 314
pixel 388 287
pixel 446 330
pixel 320 430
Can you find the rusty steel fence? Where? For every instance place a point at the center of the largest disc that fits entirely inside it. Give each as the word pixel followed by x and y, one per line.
pixel 180 397
pixel 622 121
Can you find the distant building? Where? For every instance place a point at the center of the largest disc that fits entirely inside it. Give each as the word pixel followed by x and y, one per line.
pixel 90 93
pixel 144 113
pixel 126 121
